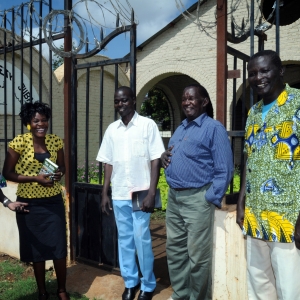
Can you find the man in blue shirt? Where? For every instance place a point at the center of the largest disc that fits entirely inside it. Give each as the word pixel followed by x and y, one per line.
pixel 198 166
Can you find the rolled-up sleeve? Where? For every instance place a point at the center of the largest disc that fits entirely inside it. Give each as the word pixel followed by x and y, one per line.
pixel 223 166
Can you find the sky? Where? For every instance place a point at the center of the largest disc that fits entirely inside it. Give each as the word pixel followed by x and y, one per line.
pixel 152 15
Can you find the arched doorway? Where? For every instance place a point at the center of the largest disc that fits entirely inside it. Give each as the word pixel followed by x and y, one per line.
pixel 171 85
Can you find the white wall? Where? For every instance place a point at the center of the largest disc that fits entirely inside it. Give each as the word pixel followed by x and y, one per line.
pixel 9 236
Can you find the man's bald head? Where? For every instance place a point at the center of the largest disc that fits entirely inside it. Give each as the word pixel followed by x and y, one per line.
pixel 126 90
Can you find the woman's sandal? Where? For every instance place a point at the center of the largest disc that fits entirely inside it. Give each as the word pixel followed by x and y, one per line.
pixel 43 296
pixel 60 292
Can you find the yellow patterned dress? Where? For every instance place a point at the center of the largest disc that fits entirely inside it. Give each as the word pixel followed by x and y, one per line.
pixel 42 231
pixel 273 169
pixel 27 165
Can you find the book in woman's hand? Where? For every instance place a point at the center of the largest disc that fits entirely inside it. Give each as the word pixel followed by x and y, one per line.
pixel 49 167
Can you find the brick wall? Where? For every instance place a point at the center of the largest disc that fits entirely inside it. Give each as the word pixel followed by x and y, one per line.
pixel 186 50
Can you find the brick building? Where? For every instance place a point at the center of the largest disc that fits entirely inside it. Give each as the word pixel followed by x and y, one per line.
pixel 180 54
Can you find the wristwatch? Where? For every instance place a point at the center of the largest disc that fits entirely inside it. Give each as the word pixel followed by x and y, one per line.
pixel 6 201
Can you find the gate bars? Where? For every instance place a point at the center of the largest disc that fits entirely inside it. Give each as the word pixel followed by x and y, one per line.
pixel 13 49
pixel 93 234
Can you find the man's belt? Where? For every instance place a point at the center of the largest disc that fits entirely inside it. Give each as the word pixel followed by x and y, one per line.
pixel 181 189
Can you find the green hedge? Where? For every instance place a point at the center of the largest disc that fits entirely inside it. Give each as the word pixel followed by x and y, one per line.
pixel 236 183
pixel 164 188
pixel 93 175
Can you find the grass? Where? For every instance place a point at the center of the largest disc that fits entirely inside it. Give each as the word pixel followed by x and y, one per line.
pixel 17 282
pixel 158 214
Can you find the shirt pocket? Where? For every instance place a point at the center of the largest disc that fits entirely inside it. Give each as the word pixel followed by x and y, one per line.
pixel 138 147
pixel 197 148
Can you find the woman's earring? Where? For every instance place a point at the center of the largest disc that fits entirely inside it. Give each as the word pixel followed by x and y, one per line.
pixel 28 127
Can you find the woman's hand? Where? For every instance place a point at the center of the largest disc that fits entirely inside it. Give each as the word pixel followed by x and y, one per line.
pixel 44 180
pixel 47 180
pixel 57 175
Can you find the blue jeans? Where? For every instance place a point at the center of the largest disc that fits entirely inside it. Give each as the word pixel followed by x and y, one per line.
pixel 134 236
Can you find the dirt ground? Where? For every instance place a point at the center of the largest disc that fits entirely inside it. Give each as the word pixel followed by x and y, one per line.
pixel 97 283
pixel 108 285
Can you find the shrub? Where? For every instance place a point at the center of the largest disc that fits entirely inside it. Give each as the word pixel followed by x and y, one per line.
pixel 236 181
pixel 93 177
pixel 93 173
pixel 164 188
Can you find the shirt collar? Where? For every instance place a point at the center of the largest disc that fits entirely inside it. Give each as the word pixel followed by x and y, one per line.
pixel 281 99
pixel 133 121
pixel 198 120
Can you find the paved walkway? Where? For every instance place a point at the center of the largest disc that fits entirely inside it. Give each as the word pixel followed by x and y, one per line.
pixel 97 283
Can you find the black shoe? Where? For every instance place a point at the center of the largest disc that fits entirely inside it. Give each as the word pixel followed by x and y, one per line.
pixel 43 296
pixel 145 295
pixel 58 292
pixel 129 293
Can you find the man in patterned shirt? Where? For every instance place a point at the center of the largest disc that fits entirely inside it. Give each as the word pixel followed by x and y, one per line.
pixel 270 215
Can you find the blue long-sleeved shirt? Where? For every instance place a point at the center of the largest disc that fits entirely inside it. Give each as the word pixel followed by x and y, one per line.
pixel 201 155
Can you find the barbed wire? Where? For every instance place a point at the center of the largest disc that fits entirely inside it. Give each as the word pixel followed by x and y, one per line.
pixel 203 25
pixel 83 20
pixel 92 17
pixel 209 27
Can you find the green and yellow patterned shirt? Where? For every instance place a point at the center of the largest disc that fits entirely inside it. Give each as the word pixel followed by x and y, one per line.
pixel 273 169
pixel 27 165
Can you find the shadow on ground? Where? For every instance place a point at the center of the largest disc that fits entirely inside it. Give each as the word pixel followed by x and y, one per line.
pixel 97 283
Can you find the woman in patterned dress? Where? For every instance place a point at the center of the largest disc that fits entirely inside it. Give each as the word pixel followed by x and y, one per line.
pixel 42 230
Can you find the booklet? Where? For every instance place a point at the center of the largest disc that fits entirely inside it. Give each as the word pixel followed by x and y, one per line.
pixel 139 196
pixel 49 167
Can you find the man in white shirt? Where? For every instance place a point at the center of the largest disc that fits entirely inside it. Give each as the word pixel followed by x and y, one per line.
pixel 131 150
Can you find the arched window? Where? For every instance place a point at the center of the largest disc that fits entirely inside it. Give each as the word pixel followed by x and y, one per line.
pixel 156 107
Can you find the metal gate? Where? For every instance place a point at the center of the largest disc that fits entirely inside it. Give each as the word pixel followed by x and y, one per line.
pixel 94 234
pixel 238 119
pixel 241 105
pixel 28 76
pixel 21 62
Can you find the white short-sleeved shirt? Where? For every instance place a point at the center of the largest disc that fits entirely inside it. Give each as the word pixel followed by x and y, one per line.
pixel 130 150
